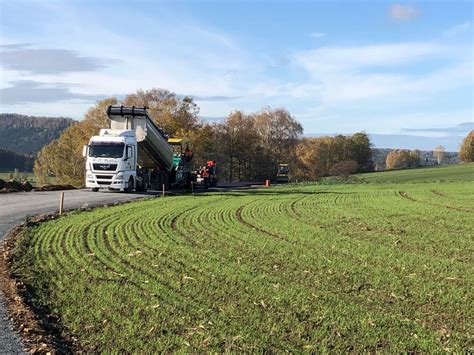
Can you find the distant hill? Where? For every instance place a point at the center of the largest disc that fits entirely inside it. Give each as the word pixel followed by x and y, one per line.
pixel 28 134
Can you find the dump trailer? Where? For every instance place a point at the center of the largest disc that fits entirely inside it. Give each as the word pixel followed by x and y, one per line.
pixel 134 154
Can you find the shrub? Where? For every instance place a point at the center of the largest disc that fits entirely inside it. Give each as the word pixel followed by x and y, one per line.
pixel 344 168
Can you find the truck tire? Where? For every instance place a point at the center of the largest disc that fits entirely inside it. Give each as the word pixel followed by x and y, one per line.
pixel 129 187
pixel 95 189
pixel 143 187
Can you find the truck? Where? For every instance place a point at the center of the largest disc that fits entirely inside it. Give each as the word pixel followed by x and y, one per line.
pixel 134 153
pixel 283 173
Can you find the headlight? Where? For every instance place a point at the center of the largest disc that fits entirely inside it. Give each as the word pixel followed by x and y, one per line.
pixel 90 176
pixel 119 176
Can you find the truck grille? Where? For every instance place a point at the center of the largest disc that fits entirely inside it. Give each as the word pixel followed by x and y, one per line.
pixel 105 177
pixel 104 182
pixel 105 167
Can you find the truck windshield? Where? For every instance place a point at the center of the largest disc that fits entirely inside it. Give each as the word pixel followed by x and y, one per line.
pixel 106 150
pixel 284 170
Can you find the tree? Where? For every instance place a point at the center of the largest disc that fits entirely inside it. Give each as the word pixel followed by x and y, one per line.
pixel 62 158
pixel 344 168
pixel 438 153
pixel 466 150
pixel 278 134
pixel 311 162
pixel 361 151
pixel 175 115
pixel 178 117
pixel 316 157
pixel 403 158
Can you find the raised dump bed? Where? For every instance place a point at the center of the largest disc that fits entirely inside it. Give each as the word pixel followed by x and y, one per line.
pixel 153 148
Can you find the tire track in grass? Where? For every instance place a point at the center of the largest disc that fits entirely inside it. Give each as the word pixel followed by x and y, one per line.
pixel 238 214
pixel 357 223
pixel 132 269
pixel 405 195
pixel 173 272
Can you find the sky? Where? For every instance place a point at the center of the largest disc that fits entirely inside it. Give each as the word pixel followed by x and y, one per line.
pixel 394 69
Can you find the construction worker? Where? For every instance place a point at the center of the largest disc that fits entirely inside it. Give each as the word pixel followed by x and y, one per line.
pixel 188 153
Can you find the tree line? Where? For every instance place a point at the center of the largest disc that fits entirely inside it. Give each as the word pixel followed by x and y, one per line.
pixel 247 146
pixel 28 134
pixel 10 161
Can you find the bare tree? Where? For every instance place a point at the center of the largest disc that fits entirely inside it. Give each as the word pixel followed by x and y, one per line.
pixel 438 152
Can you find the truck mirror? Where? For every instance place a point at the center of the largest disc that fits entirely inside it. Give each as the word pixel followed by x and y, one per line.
pixel 84 150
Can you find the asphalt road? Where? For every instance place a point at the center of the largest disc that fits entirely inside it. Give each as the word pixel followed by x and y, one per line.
pixel 15 207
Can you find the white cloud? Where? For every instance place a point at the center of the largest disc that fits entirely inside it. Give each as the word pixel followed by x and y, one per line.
pixel 317 34
pixel 458 29
pixel 182 56
pixel 340 59
pixel 400 12
pixel 370 74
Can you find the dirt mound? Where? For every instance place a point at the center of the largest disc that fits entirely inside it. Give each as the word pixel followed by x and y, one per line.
pixel 17 186
pixel 14 186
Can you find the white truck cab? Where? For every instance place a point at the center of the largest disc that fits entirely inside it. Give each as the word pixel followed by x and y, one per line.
pixel 112 160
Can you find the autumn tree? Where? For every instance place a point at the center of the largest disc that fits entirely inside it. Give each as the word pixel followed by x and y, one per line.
pixel 466 150
pixel 236 143
pixel 174 114
pixel 316 157
pixel 311 159
pixel 438 153
pixel 344 168
pixel 278 133
pixel 178 116
pixel 62 158
pixel 403 158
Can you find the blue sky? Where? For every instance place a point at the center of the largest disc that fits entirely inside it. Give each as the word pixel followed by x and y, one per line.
pixel 337 66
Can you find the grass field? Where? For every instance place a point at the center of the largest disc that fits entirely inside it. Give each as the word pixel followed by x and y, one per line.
pixel 356 267
pixel 442 173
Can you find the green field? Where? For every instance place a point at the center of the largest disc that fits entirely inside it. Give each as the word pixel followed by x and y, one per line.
pixel 444 173
pixel 349 267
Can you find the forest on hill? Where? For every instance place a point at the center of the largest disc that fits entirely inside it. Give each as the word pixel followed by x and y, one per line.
pixel 28 134
pixel 22 137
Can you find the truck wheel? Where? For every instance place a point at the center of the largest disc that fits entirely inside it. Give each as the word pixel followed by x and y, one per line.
pixel 129 187
pixel 144 185
pixel 95 189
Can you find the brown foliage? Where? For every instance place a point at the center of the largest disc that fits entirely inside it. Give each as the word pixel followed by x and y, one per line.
pixel 249 147
pixel 466 150
pixel 317 156
pixel 403 158
pixel 62 158
pixel 344 168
